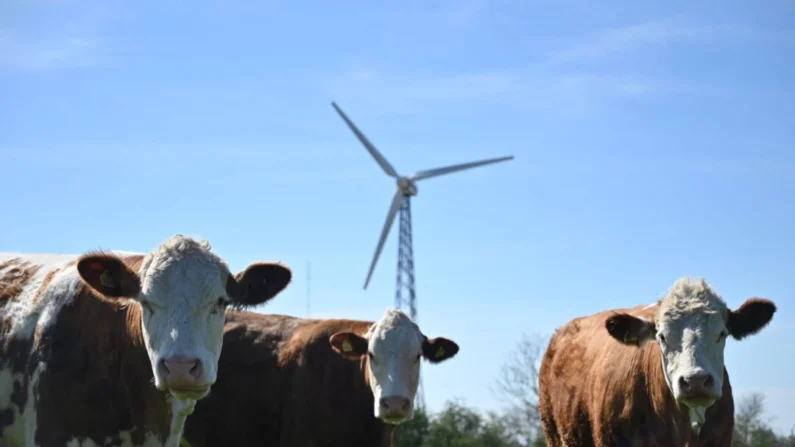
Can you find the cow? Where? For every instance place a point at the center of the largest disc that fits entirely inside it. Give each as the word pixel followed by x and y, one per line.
pixel 115 348
pixel 648 375
pixel 286 381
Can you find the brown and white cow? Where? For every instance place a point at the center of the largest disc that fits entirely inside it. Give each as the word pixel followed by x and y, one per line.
pixel 285 381
pixel 114 348
pixel 646 376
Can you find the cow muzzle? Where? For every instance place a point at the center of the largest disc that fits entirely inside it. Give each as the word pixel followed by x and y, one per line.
pixel 697 390
pixel 184 377
pixel 395 409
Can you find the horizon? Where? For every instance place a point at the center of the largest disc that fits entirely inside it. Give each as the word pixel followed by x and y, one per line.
pixel 651 142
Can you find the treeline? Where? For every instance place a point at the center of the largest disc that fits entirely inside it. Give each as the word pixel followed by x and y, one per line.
pixel 461 426
pixel 518 425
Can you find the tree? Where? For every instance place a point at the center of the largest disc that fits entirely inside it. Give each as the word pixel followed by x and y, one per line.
pixel 455 426
pixel 747 418
pixel 751 430
pixel 460 426
pixel 517 386
pixel 414 432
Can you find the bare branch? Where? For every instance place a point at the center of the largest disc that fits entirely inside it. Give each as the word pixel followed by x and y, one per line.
pixel 517 387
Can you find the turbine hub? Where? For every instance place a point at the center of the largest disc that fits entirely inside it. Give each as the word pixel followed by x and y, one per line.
pixel 407 187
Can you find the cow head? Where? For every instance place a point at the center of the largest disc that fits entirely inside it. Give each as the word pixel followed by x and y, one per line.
pixel 393 347
pixel 691 325
pixel 183 290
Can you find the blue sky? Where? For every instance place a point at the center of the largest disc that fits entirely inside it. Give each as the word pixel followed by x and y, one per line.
pixel 652 140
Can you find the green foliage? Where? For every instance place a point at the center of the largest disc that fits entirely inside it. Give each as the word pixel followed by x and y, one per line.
pixel 413 433
pixel 457 426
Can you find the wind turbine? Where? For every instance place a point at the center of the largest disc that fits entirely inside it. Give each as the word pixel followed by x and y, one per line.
pixel 406 188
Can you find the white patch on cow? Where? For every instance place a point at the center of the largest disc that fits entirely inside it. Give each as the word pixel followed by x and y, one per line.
pixel 395 343
pixel 13 434
pixel 29 415
pixel 75 442
pixel 697 417
pixel 691 332
pixel 180 410
pixel 22 312
pixel 125 438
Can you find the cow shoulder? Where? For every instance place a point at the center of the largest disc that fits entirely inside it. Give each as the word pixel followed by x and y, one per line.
pixel 593 388
pixel 95 345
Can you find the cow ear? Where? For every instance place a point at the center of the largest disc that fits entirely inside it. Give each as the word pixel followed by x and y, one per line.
pixel 258 283
pixel 752 316
pixel 438 349
pixel 109 275
pixel 630 330
pixel 348 345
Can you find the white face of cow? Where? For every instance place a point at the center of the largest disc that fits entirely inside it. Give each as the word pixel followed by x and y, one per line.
pixel 691 325
pixel 183 290
pixel 692 337
pixel 393 347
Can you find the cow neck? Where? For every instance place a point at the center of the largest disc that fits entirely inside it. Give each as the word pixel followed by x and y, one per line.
pixel 386 430
pixel 114 324
pixel 112 328
pixel 388 438
pixel 660 396
pixel 364 370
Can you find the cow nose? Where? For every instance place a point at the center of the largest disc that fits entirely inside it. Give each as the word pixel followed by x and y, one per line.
pixel 694 383
pixel 395 406
pixel 182 373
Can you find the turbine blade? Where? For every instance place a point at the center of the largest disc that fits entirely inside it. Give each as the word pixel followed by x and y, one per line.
pixel 421 175
pixel 390 217
pixel 367 144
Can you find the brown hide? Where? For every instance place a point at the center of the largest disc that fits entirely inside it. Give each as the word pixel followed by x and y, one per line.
pixel 280 384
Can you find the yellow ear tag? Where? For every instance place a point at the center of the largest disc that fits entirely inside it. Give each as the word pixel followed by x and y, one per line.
pixel 346 346
pixel 106 280
pixel 440 351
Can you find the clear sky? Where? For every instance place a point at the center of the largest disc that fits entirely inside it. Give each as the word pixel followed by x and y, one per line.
pixel 652 140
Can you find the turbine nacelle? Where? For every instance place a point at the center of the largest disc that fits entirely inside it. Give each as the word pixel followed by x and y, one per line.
pixel 407 186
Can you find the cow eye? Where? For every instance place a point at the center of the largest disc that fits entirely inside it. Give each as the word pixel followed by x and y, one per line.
pixel 370 355
pixel 662 338
pixel 220 305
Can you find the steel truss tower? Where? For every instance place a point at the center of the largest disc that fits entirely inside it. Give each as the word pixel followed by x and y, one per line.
pixel 405 293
